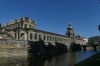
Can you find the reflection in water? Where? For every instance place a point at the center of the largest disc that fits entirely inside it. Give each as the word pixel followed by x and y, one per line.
pixel 67 59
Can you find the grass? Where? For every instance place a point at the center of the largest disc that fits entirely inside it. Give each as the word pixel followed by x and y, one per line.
pixel 91 61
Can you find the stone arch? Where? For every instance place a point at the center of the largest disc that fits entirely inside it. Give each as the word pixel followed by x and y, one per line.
pixel 22 36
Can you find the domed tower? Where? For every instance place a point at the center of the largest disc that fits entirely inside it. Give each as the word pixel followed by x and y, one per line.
pixel 70 31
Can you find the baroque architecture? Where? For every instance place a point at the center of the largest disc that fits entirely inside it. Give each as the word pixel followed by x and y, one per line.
pixel 25 29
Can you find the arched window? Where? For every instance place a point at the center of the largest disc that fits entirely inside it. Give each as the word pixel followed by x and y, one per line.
pixel 52 38
pixel 25 25
pixel 31 36
pixel 30 26
pixel 39 36
pixel 44 37
pixel 47 38
pixel 35 36
pixel 55 38
pixel 59 39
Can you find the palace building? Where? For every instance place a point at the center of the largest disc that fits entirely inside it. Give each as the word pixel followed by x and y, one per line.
pixel 25 29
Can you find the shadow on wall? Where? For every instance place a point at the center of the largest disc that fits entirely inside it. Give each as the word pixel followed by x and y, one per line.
pixel 40 48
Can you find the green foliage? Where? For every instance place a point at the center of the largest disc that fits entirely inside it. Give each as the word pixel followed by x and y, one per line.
pixel 92 42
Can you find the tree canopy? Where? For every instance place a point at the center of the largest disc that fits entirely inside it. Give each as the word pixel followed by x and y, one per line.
pixel 92 41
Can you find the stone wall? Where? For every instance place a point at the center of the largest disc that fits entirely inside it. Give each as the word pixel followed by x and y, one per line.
pixel 13 47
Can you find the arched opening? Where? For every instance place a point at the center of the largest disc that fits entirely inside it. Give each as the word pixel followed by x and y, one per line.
pixel 44 37
pixel 31 36
pixel 25 26
pixel 55 38
pixel 30 26
pixel 59 39
pixel 22 34
pixel 47 38
pixel 39 36
pixel 35 36
pixel 50 38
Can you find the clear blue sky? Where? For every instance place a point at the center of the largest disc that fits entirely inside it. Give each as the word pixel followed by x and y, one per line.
pixel 54 15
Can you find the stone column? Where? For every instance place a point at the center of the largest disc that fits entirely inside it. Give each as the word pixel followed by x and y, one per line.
pixel 33 36
pixel 28 36
pixel 19 35
pixel 16 35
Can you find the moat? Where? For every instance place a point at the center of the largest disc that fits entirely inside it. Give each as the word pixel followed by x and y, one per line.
pixel 66 59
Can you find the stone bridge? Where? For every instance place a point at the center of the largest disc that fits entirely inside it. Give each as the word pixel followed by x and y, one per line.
pixel 94 47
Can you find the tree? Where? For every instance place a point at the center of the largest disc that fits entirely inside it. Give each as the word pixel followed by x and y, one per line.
pixel 92 41
pixel 99 27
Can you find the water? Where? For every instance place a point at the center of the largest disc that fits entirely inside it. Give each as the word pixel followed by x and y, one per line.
pixel 67 59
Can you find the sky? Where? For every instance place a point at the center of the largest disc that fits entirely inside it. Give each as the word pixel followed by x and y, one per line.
pixel 54 15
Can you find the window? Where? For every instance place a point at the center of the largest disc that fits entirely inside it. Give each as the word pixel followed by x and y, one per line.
pixel 59 39
pixel 47 38
pixel 35 37
pixel 55 38
pixel 31 36
pixel 30 26
pixel 39 36
pixel 52 38
pixel 25 25
pixel 44 37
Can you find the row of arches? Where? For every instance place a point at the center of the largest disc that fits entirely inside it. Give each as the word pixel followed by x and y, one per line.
pixel 48 38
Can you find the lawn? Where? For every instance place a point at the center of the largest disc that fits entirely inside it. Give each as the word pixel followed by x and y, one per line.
pixel 91 61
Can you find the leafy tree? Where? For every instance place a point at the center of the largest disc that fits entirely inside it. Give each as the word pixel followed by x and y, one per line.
pixel 92 42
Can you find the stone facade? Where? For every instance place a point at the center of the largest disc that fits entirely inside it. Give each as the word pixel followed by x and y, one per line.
pixel 15 47
pixel 25 29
